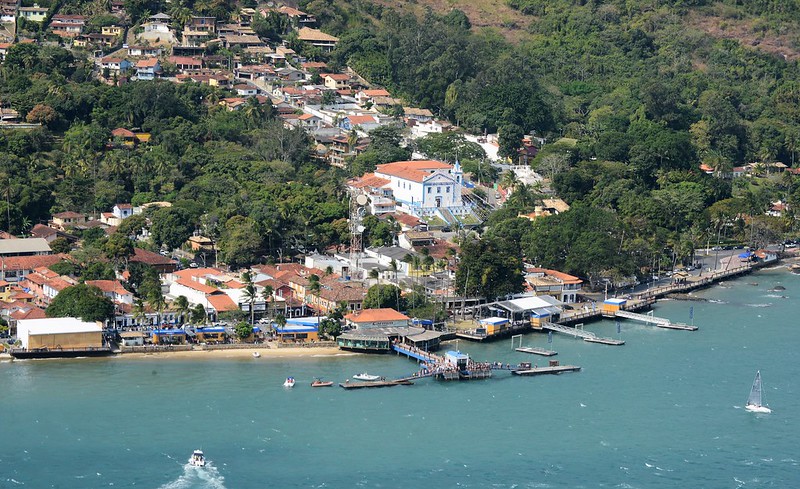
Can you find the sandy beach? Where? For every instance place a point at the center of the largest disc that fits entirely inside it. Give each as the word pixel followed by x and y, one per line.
pixel 246 353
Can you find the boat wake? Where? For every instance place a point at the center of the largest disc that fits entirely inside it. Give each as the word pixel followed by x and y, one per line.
pixel 758 305
pixel 207 477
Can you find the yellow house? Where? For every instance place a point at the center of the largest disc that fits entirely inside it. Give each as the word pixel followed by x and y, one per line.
pixel 112 30
pixel 211 335
pixel 33 14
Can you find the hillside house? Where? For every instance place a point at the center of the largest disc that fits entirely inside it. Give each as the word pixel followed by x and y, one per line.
pixel 317 38
pixel 33 14
pixel 148 69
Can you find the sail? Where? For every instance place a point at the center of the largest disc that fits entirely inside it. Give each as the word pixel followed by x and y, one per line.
pixel 755 392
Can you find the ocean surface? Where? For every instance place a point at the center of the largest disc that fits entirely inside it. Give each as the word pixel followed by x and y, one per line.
pixel 663 411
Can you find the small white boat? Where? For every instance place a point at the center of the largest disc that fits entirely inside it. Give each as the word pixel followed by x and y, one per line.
pixel 754 402
pixel 289 382
pixel 197 459
pixel 256 354
pixel 367 377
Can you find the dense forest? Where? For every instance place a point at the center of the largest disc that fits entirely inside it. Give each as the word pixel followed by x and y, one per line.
pixel 631 97
pixel 632 100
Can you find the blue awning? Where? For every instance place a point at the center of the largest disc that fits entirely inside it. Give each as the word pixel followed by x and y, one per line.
pixel 296 328
pixel 746 254
pixel 165 332
pixel 211 330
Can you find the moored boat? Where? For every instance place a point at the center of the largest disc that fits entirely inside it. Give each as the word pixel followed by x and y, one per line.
pixel 256 354
pixel 367 377
pixel 321 383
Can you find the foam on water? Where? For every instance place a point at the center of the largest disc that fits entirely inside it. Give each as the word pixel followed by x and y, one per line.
pixel 207 477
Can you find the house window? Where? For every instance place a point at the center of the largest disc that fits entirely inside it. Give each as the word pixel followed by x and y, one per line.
pixel 448 189
pixel 438 190
pixel 429 189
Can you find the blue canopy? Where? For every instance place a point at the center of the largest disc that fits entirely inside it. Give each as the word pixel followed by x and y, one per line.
pixel 164 332
pixel 211 330
pixel 746 254
pixel 296 328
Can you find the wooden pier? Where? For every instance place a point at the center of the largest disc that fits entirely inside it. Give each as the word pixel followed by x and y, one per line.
pixel 536 351
pixel 367 385
pixel 554 369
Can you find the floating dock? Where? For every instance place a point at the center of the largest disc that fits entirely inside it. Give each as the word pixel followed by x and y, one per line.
pixel 536 351
pixel 605 341
pixel 555 369
pixel 367 385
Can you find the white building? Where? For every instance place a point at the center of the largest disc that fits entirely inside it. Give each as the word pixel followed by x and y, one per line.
pixel 420 188
pixel 59 332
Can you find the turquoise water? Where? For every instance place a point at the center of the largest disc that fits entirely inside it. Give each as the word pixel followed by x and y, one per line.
pixel 665 410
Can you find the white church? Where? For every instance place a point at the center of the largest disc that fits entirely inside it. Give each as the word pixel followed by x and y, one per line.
pixel 420 188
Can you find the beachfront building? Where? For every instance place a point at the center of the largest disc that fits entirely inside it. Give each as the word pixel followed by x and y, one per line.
pixel 562 286
pixel 526 309
pixel 376 330
pixel 299 330
pixel 168 337
pixel 59 333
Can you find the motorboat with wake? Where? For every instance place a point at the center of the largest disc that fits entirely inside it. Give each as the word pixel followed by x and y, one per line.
pixel 289 382
pixel 755 402
pixel 197 459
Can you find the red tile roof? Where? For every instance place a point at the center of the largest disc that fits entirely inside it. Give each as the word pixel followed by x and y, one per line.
pixel 149 258
pixel 32 313
pixel 192 284
pixel 416 171
pixel 112 286
pixel 376 315
pixel 369 180
pixel 221 302
pixel 357 120
pixel 32 262
pixel 121 132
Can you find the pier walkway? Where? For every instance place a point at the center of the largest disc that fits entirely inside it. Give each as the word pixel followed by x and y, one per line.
pixel 580 333
pixel 647 318
pixel 654 320
pixel 417 354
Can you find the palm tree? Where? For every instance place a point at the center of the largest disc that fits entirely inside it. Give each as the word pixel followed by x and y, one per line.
pixel 158 303
pixel 266 293
pixel 139 311
pixel 314 287
pixel 375 275
pixel 251 294
pixel 181 304
pixel 280 320
pixel 509 180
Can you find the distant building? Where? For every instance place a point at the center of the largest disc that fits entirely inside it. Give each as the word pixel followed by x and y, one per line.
pixel 377 318
pixel 24 247
pixel 33 14
pixel 317 38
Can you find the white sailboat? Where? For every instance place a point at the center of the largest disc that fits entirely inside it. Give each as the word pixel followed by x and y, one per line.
pixel 754 402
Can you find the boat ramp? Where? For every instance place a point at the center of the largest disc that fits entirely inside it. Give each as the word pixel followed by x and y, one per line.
pixel 576 332
pixel 654 320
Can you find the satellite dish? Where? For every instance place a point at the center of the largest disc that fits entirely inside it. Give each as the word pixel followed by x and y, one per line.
pixel 360 229
pixel 361 199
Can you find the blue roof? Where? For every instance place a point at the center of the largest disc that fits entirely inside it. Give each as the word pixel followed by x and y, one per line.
pixel 426 322
pixel 296 328
pixel 494 320
pixel 616 302
pixel 309 321
pixel 256 329
pixel 165 332
pixel 746 254
pixel 211 330
pixel 457 355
